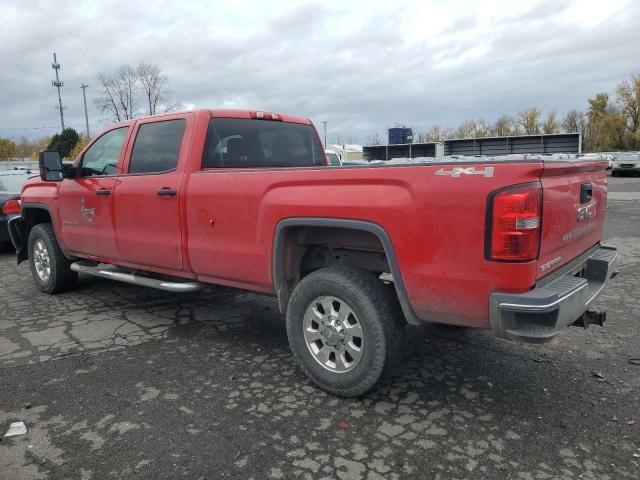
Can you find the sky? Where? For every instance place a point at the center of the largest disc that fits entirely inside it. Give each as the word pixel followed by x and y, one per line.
pixel 361 66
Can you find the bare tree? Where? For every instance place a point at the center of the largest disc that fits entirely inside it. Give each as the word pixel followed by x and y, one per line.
pixel 551 124
pixel 24 147
pixel 529 119
pixel 483 128
pixel 466 129
pixel 155 86
pixel 435 134
pixel 121 94
pixel 374 139
pixel 504 126
pixel 118 94
pixel 573 122
pixel 107 102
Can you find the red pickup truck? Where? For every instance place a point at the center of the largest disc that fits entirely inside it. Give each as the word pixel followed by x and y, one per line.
pixel 354 253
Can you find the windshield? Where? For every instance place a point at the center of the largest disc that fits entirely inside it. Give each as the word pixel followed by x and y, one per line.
pixel 249 143
pixel 627 157
pixel 12 182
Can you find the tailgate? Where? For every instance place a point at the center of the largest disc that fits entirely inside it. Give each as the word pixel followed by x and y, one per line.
pixel 574 200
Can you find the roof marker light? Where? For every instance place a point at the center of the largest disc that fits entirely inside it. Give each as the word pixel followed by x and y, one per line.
pixel 266 116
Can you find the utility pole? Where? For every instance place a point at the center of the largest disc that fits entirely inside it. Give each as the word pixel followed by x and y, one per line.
pixel 86 115
pixel 324 124
pixel 57 83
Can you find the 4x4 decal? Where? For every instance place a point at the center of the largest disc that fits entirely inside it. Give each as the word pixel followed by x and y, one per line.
pixel 456 172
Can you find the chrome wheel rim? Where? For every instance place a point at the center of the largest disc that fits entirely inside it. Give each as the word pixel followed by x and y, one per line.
pixel 41 260
pixel 333 334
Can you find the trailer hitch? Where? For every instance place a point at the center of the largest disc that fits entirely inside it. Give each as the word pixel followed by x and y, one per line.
pixel 591 317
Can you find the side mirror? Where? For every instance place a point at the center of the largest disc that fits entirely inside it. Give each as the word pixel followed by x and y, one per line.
pixel 50 166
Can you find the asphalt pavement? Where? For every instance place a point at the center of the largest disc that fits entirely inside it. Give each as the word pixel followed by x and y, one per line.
pixel 116 381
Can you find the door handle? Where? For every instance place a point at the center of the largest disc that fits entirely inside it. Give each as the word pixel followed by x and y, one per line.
pixel 586 192
pixel 167 192
pixel 103 191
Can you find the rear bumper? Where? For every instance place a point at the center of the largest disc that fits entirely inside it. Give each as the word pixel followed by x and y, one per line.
pixel 538 315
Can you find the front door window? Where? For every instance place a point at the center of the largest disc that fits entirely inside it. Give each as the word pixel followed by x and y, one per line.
pixel 103 156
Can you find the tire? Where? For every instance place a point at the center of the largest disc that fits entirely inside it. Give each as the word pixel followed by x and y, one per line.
pixel 49 267
pixel 614 174
pixel 374 327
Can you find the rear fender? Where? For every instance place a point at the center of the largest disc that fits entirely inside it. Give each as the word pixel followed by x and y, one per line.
pixel 281 287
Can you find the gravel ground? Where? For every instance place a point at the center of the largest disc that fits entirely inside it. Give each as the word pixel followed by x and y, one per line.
pixel 114 381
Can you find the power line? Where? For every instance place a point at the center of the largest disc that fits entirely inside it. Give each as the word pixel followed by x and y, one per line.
pixel 36 128
pixel 27 128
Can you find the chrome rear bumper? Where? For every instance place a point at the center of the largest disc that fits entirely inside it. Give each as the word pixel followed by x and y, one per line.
pixel 538 315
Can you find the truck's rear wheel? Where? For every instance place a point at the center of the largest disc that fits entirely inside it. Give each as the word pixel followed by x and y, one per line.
pixel 345 329
pixel 49 267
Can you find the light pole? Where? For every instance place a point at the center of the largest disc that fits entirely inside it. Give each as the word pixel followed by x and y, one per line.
pixel 86 115
pixel 324 125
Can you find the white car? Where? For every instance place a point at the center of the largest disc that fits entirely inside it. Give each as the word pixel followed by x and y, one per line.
pixel 625 164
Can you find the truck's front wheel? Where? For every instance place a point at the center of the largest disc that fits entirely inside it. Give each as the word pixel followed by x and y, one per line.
pixel 345 329
pixel 49 267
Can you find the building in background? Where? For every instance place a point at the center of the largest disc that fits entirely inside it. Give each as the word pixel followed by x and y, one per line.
pixel 347 152
pixel 400 135
pixel 544 144
pixel 405 150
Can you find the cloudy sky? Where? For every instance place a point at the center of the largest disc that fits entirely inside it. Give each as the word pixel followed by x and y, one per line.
pixel 360 65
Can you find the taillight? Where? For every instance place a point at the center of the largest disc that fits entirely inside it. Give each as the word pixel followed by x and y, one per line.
pixel 266 116
pixel 11 206
pixel 513 224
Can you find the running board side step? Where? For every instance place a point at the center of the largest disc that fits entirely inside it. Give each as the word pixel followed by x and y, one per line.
pixel 113 273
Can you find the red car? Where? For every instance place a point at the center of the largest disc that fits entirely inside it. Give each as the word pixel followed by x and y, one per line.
pixel 246 199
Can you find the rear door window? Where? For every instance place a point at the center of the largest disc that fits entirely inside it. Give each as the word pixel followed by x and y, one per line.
pixel 157 146
pixel 249 143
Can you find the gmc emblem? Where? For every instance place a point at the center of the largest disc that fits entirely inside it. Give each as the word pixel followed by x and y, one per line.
pixel 586 212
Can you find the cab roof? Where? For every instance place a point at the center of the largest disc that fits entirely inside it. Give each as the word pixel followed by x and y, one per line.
pixel 220 113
